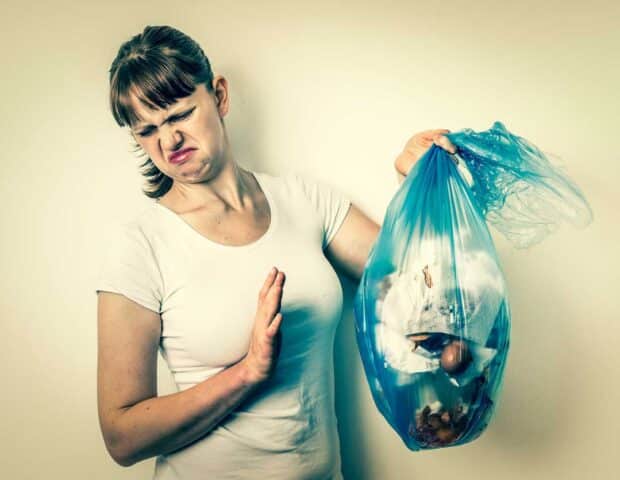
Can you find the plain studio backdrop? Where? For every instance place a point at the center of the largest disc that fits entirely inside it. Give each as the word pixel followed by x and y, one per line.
pixel 333 89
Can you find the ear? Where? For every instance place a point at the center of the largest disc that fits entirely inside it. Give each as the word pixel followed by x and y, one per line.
pixel 220 94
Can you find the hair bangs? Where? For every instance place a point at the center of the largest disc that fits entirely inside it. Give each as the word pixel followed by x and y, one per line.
pixel 156 82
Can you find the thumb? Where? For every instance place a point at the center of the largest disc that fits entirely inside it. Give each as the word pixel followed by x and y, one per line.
pixel 445 143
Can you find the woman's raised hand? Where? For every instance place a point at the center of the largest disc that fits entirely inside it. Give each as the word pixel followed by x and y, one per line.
pixel 266 337
pixel 418 145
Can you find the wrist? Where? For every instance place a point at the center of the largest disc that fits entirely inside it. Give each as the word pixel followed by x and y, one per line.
pixel 403 163
pixel 247 374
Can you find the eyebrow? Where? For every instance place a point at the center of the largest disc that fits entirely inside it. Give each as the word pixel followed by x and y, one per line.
pixel 140 125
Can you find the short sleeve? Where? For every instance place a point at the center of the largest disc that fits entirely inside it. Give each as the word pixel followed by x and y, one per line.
pixel 331 204
pixel 129 267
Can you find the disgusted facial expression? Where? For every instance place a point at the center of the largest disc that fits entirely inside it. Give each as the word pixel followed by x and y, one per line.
pixel 194 122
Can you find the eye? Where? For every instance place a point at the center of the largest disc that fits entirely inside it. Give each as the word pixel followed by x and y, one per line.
pixel 147 132
pixel 182 116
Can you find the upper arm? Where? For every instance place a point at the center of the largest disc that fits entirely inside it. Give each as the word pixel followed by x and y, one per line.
pixel 127 340
pixel 351 245
pixel 348 233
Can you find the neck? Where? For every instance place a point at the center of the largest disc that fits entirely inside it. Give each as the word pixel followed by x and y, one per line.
pixel 230 189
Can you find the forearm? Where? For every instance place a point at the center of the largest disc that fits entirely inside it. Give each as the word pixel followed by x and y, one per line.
pixel 164 424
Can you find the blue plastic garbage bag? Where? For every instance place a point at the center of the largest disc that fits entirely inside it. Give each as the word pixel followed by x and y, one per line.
pixel 432 315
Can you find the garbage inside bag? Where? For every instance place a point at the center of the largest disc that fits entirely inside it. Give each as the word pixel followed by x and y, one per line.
pixel 432 315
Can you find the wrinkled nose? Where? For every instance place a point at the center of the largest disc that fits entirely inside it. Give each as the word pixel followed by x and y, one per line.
pixel 171 140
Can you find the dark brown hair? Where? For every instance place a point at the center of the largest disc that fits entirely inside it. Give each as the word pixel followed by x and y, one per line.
pixel 158 66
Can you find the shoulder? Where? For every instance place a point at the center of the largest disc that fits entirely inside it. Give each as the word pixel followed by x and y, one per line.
pixel 129 265
pixel 145 220
pixel 289 185
pixel 321 194
pixel 303 183
pixel 135 233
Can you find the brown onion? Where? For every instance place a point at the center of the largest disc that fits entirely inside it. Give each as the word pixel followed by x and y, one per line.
pixel 455 357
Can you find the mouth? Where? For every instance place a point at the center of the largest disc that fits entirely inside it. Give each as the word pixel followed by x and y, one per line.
pixel 181 155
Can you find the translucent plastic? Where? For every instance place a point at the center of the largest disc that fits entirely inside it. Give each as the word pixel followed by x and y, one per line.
pixel 517 188
pixel 432 316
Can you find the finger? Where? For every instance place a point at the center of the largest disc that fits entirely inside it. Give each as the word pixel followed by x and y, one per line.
pixel 439 134
pixel 435 132
pixel 276 288
pixel 270 305
pixel 268 282
pixel 425 142
pixel 446 144
pixel 279 281
pixel 275 325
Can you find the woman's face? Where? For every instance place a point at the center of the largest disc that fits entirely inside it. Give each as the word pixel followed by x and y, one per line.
pixel 193 122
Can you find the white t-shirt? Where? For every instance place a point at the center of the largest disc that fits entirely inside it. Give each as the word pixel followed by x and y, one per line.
pixel 207 293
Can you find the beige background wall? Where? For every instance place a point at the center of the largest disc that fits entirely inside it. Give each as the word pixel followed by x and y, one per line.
pixel 333 90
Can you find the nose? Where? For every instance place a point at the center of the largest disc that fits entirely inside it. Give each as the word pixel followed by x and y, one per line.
pixel 170 139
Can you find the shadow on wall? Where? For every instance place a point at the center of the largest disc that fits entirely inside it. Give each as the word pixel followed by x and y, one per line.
pixel 243 122
pixel 350 379
pixel 537 405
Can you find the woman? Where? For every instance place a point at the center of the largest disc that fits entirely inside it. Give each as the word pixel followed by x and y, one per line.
pixel 255 380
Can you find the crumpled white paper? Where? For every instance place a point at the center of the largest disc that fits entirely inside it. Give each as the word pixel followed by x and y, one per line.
pixel 423 298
